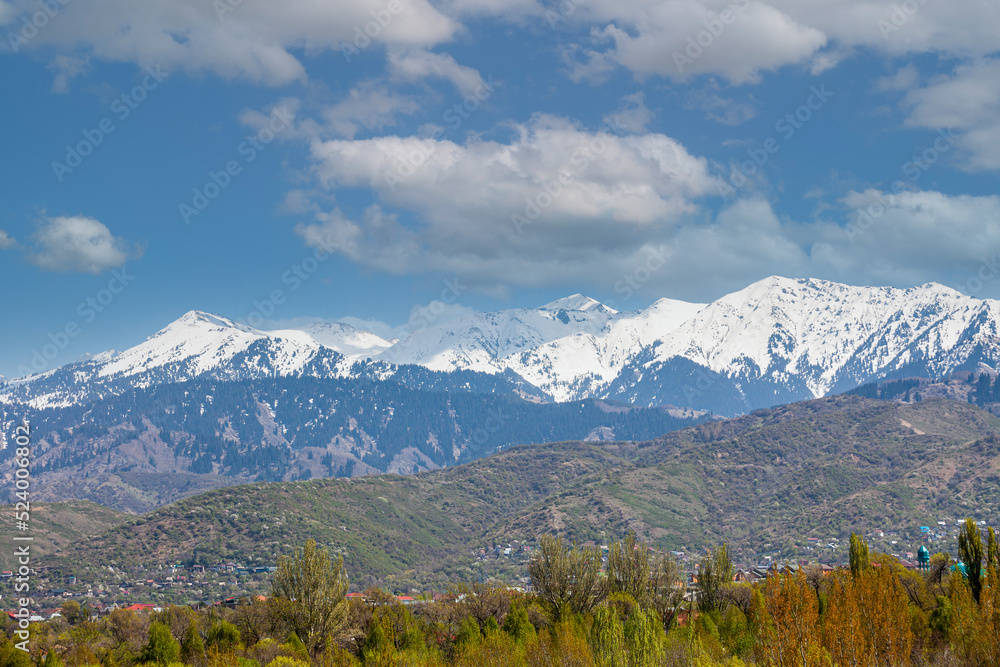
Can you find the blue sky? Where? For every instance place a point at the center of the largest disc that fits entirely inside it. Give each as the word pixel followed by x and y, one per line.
pixel 520 150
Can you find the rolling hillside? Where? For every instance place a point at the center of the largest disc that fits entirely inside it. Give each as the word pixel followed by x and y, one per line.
pixel 820 468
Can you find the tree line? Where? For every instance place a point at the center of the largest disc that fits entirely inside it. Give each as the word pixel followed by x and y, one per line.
pixel 630 608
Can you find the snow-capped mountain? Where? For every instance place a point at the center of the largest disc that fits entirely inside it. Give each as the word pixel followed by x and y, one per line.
pixel 202 345
pixel 776 341
pixel 481 341
pixel 350 341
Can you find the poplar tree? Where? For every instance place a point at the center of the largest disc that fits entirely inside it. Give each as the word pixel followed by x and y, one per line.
pixel 860 560
pixel 970 549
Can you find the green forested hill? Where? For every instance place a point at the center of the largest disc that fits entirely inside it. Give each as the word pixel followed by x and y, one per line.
pixel 820 468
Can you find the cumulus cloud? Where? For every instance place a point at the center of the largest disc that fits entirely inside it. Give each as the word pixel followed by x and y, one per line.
pixel 79 244
pixel 904 79
pixel 632 116
pixel 416 65
pixel 248 40
pixel 967 101
pixel 914 238
pixel 681 39
pixel 740 39
pixel 911 236
pixel 369 106
pixel 551 203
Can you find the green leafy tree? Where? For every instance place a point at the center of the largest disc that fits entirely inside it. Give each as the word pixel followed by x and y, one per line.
pixel 860 560
pixel 518 625
pixel 223 636
pixel 607 638
pixel 667 588
pixel 71 612
pixel 566 577
pixel 469 634
pixel 11 656
pixel 715 575
pixel 970 549
pixel 295 645
pixel 192 648
pixel 629 569
pixel 161 648
pixel 644 639
pixel 317 585
pixel 992 550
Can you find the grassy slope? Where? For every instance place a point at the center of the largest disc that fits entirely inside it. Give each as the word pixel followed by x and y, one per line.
pixel 55 526
pixel 819 468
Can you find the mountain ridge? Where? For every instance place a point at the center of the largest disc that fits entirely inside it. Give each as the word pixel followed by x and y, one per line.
pixel 775 341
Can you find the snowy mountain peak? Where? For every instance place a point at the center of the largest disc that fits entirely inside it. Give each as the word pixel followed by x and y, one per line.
pixel 201 319
pixel 777 340
pixel 348 340
pixel 578 302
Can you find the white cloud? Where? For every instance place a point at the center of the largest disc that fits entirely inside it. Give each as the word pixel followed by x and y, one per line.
pixel 633 179
pixel 918 236
pixel 740 39
pixel 680 39
pixel 6 241
pixel 369 106
pixel 553 202
pixel 967 101
pixel 724 110
pixel 248 40
pixel 416 65
pixel 632 116
pixel 79 244
pixel 7 12
pixel 66 67
pixel 904 79
pixel 901 28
